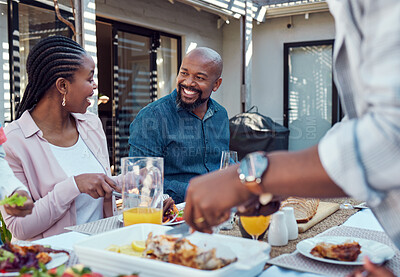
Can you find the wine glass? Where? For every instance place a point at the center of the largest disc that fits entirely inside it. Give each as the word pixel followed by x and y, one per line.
pixel 255 225
pixel 228 158
pixel 346 205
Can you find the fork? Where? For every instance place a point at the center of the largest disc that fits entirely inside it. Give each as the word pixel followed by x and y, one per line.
pixel 183 230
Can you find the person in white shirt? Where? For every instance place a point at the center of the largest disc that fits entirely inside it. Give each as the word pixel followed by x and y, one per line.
pixel 358 157
pixel 10 184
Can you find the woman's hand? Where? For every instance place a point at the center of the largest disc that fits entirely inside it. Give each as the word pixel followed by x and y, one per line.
pixel 168 204
pixel 209 198
pixel 96 185
pixel 20 211
pixel 372 270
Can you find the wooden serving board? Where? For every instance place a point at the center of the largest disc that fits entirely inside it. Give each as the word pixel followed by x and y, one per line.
pixel 324 210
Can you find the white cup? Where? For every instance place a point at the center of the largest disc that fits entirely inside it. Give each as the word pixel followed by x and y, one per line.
pixel 278 233
pixel 291 223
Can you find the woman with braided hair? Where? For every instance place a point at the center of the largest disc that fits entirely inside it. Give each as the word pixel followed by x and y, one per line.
pixel 56 148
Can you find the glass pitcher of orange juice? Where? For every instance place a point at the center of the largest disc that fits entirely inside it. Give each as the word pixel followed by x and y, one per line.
pixel 142 189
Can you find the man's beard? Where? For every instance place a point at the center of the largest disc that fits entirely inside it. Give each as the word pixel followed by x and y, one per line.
pixel 189 106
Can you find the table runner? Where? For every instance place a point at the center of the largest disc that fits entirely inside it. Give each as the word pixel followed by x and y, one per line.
pixel 97 227
pixel 297 261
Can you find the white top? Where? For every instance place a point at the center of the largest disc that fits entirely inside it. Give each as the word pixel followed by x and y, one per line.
pixel 9 183
pixel 76 160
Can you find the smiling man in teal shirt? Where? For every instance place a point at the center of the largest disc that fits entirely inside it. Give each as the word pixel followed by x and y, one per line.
pixel 187 128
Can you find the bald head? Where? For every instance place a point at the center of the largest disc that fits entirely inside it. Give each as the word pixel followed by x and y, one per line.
pixel 209 55
pixel 198 77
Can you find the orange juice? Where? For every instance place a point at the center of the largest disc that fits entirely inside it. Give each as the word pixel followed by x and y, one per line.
pixel 142 215
pixel 255 225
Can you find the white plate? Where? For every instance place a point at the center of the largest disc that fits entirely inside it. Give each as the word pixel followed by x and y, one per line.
pixel 57 259
pixel 376 251
pixel 181 207
pixel 252 255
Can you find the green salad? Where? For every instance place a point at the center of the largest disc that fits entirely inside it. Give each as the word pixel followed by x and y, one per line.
pixel 14 199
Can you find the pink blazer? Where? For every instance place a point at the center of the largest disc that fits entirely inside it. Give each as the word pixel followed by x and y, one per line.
pixel 34 164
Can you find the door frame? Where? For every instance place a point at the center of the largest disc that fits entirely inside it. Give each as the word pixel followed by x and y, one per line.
pixel 154 36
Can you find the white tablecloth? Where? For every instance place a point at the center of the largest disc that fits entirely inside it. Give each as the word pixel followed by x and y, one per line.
pixel 363 219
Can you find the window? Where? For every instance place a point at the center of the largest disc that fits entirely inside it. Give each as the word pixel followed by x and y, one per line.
pixel 310 97
pixel 30 21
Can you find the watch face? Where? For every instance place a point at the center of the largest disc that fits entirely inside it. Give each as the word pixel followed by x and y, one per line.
pixel 253 166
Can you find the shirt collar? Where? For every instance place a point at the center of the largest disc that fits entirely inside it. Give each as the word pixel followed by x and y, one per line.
pixel 29 127
pixel 27 124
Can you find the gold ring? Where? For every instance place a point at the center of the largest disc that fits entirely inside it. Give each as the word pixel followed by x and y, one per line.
pixel 199 220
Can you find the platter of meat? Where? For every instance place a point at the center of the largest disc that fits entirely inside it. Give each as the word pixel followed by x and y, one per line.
pixel 344 250
pixel 198 254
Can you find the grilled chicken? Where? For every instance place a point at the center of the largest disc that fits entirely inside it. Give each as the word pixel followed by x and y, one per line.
pixel 181 251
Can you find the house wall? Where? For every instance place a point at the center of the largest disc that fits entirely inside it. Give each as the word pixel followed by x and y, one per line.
pixel 200 28
pixel 267 62
pixel 231 55
pixel 194 27
pixel 268 40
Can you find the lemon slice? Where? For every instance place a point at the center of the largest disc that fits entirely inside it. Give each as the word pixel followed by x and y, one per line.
pixel 138 245
pixel 114 248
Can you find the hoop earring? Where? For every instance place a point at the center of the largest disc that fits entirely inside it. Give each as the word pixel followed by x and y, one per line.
pixel 63 102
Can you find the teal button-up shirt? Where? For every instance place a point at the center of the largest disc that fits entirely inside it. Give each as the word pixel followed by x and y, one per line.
pixel 189 145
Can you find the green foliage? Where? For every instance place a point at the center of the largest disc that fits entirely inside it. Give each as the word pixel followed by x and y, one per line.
pixel 5 234
pixel 14 199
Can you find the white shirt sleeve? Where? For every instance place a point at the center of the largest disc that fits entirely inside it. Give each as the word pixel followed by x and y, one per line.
pixel 361 154
pixel 9 183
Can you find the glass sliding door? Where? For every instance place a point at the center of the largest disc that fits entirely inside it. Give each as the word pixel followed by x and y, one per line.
pixel 145 64
pixel 36 23
pixel 133 85
pixel 5 95
pixel 310 97
pixel 30 21
pixel 167 64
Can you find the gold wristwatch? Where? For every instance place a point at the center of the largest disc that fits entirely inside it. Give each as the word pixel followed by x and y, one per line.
pixel 251 169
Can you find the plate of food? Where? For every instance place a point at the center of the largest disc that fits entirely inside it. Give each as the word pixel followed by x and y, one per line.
pixel 147 250
pixel 344 250
pixel 16 256
pixel 178 219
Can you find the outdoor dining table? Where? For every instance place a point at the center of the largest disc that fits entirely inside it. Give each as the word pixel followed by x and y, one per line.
pixel 362 223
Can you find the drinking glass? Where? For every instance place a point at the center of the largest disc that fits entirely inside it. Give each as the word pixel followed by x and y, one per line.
pixel 228 158
pixel 142 190
pixel 255 225
pixel 346 205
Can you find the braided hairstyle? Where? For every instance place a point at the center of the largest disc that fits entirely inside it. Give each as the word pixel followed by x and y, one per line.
pixel 52 58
